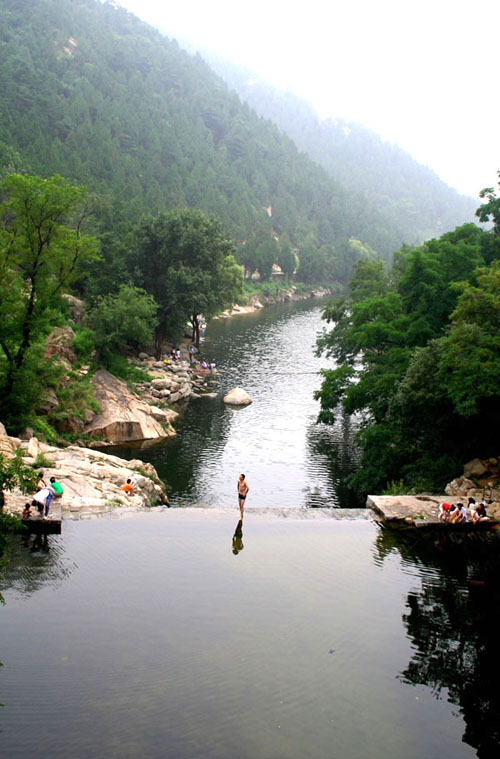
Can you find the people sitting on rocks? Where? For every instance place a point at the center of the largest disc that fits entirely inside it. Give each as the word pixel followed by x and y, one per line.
pixel 56 487
pixel 42 500
pixel 445 510
pixel 459 515
pixel 128 488
pixel 26 511
pixel 41 482
pixel 173 353
pixel 471 505
pixel 178 354
pixel 480 514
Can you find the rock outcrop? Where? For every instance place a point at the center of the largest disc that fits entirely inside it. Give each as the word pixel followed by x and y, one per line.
pixel 92 481
pixel 60 344
pixel 7 447
pixel 237 397
pixel 124 417
pixel 173 381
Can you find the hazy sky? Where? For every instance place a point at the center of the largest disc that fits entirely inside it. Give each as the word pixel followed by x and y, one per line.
pixel 422 74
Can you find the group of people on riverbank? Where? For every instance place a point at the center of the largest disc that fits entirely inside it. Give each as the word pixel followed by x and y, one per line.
pixel 457 513
pixel 43 497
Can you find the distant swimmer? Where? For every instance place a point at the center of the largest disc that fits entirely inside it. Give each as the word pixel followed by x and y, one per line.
pixel 242 492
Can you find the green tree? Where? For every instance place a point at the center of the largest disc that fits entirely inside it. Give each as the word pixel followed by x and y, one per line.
pixel 266 255
pixel 127 317
pixel 490 211
pixel 42 247
pixel 15 474
pixel 286 257
pixel 184 259
pixel 416 357
pixel 470 353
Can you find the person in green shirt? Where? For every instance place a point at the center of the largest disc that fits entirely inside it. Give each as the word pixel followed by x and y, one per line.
pixel 56 487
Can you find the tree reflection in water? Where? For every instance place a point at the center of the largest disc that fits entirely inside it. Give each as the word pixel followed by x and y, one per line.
pixel 453 623
pixel 331 457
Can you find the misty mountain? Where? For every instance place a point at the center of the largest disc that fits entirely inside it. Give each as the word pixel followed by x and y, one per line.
pixel 89 91
pixel 415 200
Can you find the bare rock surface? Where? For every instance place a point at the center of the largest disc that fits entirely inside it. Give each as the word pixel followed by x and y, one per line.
pixel 124 417
pixel 7 447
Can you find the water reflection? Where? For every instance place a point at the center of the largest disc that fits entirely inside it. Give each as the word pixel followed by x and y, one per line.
pixel 452 621
pixel 237 543
pixel 331 457
pixel 33 562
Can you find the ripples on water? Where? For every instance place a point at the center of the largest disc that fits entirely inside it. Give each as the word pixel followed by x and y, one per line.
pixel 289 460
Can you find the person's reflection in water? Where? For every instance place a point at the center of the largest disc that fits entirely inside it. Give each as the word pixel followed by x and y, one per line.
pixel 238 538
pixel 40 544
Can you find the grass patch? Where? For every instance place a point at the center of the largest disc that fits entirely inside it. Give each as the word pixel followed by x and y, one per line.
pixel 120 367
pixel 395 487
pixel 41 461
pixel 43 430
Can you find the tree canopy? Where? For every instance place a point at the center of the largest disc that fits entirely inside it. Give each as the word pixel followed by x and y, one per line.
pixel 417 355
pixel 42 249
pixel 184 259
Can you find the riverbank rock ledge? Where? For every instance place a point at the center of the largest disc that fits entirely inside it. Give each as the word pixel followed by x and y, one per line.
pixel 123 417
pixel 92 480
pixel 237 397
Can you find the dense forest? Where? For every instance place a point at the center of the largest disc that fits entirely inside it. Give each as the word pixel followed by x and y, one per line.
pixel 418 355
pixel 411 196
pixel 91 93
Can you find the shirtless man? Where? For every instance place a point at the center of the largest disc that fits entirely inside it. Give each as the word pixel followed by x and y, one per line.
pixel 242 492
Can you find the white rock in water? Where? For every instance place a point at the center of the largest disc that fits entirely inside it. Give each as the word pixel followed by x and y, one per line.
pixel 237 397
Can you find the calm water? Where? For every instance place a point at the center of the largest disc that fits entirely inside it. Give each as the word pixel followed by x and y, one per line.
pixel 179 634
pixel 149 637
pixel 288 459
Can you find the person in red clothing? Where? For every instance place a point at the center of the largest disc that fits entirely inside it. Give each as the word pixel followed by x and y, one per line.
pixel 445 510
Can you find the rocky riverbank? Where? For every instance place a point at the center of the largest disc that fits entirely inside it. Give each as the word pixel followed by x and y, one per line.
pixel 92 480
pixel 480 480
pixel 256 302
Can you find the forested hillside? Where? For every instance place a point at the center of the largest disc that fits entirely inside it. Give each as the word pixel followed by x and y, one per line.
pixel 92 93
pixel 412 197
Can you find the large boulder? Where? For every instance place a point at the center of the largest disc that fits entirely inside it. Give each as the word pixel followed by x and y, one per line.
pixel 237 397
pixel 475 468
pixel 7 448
pixel 124 417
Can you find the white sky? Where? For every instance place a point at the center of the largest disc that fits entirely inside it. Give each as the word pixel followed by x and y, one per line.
pixel 421 74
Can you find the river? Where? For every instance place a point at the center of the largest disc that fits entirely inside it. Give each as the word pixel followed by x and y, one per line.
pixel 182 634
pixel 289 460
